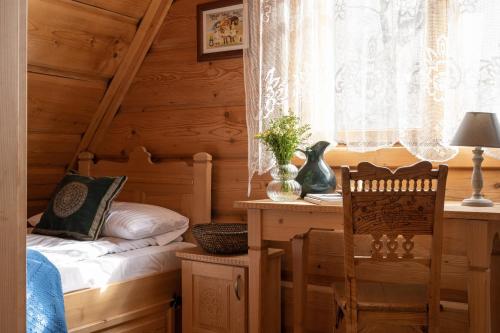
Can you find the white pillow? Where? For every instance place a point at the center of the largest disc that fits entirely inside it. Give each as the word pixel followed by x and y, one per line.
pixel 167 238
pixel 133 220
pixel 129 220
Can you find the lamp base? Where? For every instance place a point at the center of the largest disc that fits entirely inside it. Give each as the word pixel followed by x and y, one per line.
pixel 477 202
pixel 477 199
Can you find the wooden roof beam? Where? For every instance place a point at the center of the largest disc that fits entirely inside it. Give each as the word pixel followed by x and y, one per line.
pixel 126 72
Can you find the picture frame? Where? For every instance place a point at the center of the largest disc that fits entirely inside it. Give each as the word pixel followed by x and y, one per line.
pixel 222 29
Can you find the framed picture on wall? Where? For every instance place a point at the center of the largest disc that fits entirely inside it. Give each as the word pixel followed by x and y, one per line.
pixel 222 29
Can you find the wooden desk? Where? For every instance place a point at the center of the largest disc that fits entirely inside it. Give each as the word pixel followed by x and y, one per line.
pixel 272 221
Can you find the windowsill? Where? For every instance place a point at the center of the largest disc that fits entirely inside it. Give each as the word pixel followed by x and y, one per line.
pixel 396 156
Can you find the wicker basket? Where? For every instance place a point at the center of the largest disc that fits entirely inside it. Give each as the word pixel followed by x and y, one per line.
pixel 224 238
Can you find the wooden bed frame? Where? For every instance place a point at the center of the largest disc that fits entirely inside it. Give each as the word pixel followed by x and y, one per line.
pixel 144 304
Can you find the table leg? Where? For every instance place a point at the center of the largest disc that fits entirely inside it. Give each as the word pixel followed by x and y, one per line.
pixel 478 285
pixel 257 271
pixel 495 284
pixel 479 245
pixel 300 254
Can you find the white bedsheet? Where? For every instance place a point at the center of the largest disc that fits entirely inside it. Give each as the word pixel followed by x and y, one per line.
pixel 97 273
pixel 95 264
pixel 63 251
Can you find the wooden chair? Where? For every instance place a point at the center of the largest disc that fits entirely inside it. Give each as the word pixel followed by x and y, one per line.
pixel 391 208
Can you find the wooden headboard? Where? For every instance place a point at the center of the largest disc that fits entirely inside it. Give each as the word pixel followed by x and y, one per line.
pixel 177 185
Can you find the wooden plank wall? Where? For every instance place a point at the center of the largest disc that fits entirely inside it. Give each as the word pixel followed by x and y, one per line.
pixel 74 50
pixel 177 107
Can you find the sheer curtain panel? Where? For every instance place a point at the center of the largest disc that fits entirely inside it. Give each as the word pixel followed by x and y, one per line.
pixel 370 73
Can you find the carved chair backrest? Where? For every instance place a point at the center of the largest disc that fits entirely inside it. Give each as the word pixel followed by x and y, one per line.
pixel 393 207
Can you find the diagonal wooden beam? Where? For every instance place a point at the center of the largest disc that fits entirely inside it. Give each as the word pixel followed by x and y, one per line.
pixel 148 28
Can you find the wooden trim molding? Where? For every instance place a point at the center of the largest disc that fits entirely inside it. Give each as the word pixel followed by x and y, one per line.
pixel 148 28
pixel 13 165
pixel 397 156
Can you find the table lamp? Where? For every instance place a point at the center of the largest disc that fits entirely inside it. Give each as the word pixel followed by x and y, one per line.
pixel 478 130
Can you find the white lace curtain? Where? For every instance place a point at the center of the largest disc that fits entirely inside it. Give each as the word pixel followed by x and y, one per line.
pixel 372 73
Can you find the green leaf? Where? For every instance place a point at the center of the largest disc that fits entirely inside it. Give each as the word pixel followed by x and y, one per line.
pixel 284 137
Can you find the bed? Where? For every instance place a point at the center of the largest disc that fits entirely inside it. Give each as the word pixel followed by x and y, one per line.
pixel 146 303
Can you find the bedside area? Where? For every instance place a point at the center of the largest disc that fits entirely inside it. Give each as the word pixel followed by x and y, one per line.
pixel 215 291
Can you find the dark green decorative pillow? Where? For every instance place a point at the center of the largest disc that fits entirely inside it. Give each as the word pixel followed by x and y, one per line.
pixel 79 206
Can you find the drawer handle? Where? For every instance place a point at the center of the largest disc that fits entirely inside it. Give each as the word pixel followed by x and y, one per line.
pixel 236 287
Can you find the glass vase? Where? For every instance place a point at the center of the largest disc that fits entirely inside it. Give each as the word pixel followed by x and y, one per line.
pixel 284 187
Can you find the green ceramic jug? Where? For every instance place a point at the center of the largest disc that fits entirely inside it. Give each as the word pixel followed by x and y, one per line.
pixel 316 176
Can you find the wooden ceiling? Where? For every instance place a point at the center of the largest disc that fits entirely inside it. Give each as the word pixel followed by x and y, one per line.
pixel 82 56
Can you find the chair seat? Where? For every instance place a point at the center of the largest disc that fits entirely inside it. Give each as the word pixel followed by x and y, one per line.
pixel 385 297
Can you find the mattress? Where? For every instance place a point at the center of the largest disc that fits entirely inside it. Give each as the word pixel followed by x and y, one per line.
pixel 94 264
pixel 98 272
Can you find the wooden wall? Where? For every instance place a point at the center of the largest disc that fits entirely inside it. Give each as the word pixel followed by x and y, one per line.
pixel 175 107
pixel 74 50
pixel 178 106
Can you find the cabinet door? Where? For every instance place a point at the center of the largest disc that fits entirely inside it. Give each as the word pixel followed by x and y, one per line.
pixel 214 298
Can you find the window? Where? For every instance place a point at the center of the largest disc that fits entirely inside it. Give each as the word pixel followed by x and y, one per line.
pixel 372 73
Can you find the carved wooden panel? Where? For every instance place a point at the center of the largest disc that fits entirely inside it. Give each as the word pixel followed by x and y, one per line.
pixel 392 206
pixel 419 171
pixel 214 298
pixel 183 186
pixel 397 212
pixel 392 247
pixel 211 304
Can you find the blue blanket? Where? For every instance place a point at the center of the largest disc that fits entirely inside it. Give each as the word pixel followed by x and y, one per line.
pixel 44 296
